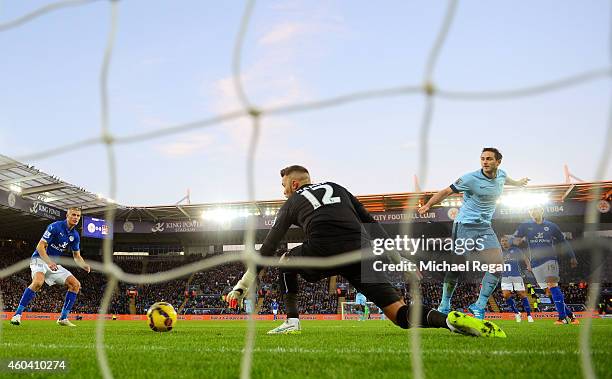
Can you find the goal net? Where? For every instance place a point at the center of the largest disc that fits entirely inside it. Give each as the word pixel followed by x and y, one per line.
pixel 354 311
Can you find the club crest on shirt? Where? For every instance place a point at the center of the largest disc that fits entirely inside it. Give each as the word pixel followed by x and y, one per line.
pixel 71 238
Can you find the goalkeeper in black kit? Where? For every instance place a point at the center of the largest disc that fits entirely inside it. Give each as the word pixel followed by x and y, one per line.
pixel 333 223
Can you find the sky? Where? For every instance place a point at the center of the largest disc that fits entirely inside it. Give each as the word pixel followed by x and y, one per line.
pixel 172 64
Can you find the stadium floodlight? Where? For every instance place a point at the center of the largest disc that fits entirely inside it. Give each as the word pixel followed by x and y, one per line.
pixel 524 200
pixel 15 188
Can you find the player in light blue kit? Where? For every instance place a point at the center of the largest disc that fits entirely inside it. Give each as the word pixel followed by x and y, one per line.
pixel 481 189
pixel 362 306
pixel 59 237
pixel 541 237
pixel 248 305
pixel 512 280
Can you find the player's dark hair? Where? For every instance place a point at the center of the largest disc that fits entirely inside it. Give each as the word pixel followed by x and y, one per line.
pixel 498 155
pixel 294 168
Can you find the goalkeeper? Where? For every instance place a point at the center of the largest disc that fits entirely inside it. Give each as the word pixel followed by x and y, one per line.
pixel 331 218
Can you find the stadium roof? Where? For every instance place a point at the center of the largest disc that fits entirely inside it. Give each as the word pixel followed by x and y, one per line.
pixel 33 184
pixel 373 203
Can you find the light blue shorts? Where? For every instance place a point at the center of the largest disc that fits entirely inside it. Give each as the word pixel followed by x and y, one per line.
pixel 469 238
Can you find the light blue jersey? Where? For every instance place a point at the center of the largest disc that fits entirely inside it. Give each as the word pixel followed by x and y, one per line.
pixel 480 195
pixel 248 306
pixel 360 299
pixel 58 238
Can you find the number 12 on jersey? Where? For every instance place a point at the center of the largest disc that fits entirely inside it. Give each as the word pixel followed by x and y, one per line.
pixel 328 197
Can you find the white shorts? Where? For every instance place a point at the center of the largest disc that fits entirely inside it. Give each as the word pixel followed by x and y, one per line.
pixel 51 277
pixel 512 283
pixel 545 270
pixel 274 311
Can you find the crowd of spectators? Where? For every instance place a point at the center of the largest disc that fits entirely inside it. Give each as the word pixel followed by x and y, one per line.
pixel 203 292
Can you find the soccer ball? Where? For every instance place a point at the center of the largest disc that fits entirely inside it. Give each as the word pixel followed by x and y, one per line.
pixel 161 317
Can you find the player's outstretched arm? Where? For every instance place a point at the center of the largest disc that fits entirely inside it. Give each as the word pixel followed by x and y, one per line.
pixel 522 182
pixel 435 199
pixel 76 255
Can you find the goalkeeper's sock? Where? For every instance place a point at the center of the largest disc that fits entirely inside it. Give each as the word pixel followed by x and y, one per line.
pixel 488 285
pixel 291 303
pixel 512 304
pixel 448 288
pixel 526 306
pixel 27 296
pixel 430 318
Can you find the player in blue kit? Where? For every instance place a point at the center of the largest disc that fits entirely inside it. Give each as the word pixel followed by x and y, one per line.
pixel 274 307
pixel 512 279
pixel 481 189
pixel 59 237
pixel 541 236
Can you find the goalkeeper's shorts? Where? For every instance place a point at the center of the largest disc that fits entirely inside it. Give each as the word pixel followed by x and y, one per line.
pixel 381 293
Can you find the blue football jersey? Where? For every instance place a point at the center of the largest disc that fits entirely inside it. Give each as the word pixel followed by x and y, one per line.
pixel 480 195
pixel 512 257
pixel 274 306
pixel 541 239
pixel 59 238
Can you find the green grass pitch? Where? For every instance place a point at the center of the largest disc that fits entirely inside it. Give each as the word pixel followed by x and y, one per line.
pixel 325 349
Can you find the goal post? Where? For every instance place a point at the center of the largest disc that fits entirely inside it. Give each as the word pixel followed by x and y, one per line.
pixel 351 311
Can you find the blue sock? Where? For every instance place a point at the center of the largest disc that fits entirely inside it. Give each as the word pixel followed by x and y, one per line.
pixel 526 306
pixel 557 297
pixel 488 285
pixel 568 311
pixel 68 303
pixel 27 296
pixel 448 288
pixel 512 305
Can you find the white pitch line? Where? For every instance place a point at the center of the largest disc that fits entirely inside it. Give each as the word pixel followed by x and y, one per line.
pixel 294 350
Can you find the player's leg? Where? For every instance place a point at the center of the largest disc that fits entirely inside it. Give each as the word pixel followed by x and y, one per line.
pixel 289 291
pixel 488 285
pixel 386 297
pixel 558 300
pixel 74 286
pixel 570 316
pixel 451 279
pixel 511 304
pixel 38 278
pixel 399 313
pixel 547 276
pixel 525 303
pixel 490 254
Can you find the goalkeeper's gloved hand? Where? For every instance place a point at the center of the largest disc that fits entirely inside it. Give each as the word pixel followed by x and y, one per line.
pixel 236 293
pixel 241 288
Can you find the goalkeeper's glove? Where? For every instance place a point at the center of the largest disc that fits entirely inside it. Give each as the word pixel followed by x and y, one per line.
pixel 241 288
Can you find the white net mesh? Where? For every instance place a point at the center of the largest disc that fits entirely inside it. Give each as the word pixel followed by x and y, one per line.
pixel 429 88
